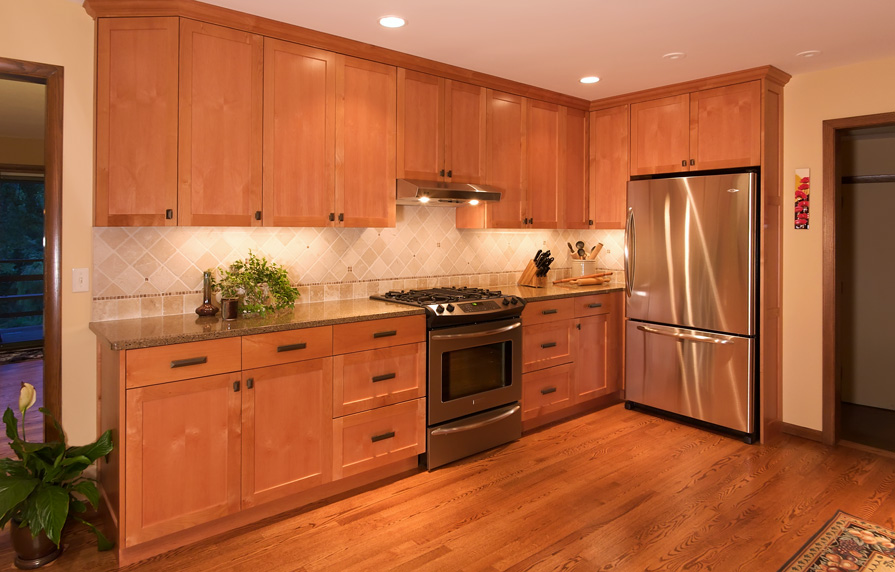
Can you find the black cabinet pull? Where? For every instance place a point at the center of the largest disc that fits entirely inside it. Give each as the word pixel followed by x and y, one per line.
pixel 547 390
pixel 189 361
pixel 383 377
pixel 292 347
pixel 578 326
pixel 235 386
pixel 590 221
pixel 341 217
pixel 450 173
pixel 382 437
pixel 332 216
pixel 525 220
pixel 441 173
pixel 595 305
pixel 385 334
pixel 250 383
pixel 169 214
pixel 550 311
pixel 684 163
pixel 548 345
pixel 257 215
pixel 692 161
pixel 531 220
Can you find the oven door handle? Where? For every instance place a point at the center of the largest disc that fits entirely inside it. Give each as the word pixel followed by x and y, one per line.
pixel 477 424
pixel 476 334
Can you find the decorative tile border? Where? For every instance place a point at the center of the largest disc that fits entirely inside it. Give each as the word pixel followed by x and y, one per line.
pixel 149 271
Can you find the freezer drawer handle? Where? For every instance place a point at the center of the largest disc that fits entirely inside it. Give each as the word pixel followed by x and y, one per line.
pixel 688 337
pixel 477 424
pixel 188 362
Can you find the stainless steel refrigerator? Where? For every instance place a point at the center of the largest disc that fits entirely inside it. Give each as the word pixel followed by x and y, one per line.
pixel 691 252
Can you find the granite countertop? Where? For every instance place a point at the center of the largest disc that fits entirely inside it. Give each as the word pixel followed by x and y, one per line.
pixel 160 331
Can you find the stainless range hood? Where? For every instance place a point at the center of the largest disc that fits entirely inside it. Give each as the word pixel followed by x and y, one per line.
pixel 417 192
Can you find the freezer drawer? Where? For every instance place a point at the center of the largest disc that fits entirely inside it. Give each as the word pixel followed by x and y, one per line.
pixel 702 375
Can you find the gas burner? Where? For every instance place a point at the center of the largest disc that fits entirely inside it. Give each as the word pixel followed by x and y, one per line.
pixel 451 305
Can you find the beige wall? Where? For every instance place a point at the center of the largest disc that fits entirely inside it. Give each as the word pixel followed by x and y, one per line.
pixel 17 151
pixel 859 89
pixel 60 32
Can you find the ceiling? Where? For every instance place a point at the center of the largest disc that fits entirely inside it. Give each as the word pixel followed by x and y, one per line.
pixel 553 44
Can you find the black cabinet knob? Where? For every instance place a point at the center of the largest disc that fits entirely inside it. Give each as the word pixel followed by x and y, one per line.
pixel 684 163
pixel 169 214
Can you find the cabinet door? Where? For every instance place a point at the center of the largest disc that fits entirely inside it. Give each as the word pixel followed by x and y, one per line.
pixel 573 169
pixel 464 143
pixel 182 455
pixel 220 126
pixel 660 135
pixel 725 127
pixel 546 390
pixel 506 154
pixel 286 429
pixel 591 367
pixel 543 164
pixel 420 126
pixel 136 86
pixel 299 135
pixel 608 166
pixel 366 115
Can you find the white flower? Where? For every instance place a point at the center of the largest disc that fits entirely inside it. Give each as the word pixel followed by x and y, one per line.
pixel 27 397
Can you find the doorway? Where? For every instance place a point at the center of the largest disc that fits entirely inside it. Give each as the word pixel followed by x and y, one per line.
pixel 25 180
pixel 859 195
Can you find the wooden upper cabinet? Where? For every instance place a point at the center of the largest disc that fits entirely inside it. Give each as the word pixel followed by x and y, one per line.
pixel 608 166
pixel 299 135
pixel 543 160
pixel 136 87
pixel 464 143
pixel 725 126
pixel 420 125
pixel 506 158
pixel 573 190
pixel 711 129
pixel 660 135
pixel 220 126
pixel 366 117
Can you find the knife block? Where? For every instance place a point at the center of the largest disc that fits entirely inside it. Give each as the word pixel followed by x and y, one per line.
pixel 528 278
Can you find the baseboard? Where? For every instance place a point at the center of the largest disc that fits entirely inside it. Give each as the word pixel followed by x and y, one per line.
pixel 803 432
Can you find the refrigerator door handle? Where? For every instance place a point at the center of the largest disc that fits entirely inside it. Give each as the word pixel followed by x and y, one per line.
pixel 630 243
pixel 708 339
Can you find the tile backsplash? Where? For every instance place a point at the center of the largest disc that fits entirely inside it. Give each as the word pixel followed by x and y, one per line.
pixel 154 271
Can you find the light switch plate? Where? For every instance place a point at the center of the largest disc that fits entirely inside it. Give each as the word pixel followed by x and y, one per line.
pixel 80 280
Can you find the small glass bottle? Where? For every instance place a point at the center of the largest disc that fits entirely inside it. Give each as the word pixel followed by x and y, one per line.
pixel 207 308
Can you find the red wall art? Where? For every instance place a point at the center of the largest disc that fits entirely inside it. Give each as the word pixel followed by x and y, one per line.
pixel 803 192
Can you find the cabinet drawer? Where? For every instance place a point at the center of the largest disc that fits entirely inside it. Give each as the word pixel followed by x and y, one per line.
pixel 149 366
pixel 372 439
pixel 283 347
pixel 374 378
pixel 547 345
pixel 546 391
pixel 547 311
pixel 594 305
pixel 373 334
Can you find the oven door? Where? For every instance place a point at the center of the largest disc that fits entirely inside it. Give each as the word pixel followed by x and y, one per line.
pixel 474 368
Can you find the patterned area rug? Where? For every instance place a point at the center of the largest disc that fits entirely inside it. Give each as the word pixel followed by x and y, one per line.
pixel 846 543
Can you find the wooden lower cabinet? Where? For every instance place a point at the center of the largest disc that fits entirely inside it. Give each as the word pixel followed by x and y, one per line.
pixel 546 390
pixel 592 376
pixel 365 441
pixel 375 378
pixel 286 429
pixel 182 464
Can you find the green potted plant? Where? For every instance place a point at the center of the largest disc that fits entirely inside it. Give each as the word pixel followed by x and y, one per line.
pixel 262 285
pixel 44 487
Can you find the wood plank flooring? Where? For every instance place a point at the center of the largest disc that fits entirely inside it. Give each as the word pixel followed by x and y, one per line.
pixel 611 490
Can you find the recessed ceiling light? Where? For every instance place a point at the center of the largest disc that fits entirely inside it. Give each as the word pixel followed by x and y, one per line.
pixel 391 21
pixel 808 54
pixel 589 79
pixel 675 56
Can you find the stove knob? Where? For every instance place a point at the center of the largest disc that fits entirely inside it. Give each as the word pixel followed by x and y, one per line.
pixel 439 308
pixel 506 301
pixel 450 307
pixel 514 301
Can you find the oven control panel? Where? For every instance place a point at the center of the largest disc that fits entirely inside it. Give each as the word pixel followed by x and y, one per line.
pixel 482 306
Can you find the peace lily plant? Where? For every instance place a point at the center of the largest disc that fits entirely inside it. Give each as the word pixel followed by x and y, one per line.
pixel 44 486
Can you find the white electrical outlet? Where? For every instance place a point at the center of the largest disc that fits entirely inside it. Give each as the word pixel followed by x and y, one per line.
pixel 80 280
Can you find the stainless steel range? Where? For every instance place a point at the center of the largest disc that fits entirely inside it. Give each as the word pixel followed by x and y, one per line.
pixel 474 369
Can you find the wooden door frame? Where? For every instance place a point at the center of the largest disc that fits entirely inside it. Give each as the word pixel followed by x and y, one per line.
pixel 832 384
pixel 52 77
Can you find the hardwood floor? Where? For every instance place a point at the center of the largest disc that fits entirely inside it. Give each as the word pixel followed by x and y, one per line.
pixel 611 490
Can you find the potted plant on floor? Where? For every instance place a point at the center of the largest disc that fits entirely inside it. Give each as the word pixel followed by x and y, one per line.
pixel 262 285
pixel 44 487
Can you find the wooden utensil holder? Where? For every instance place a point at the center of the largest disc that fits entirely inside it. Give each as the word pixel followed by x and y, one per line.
pixel 528 278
